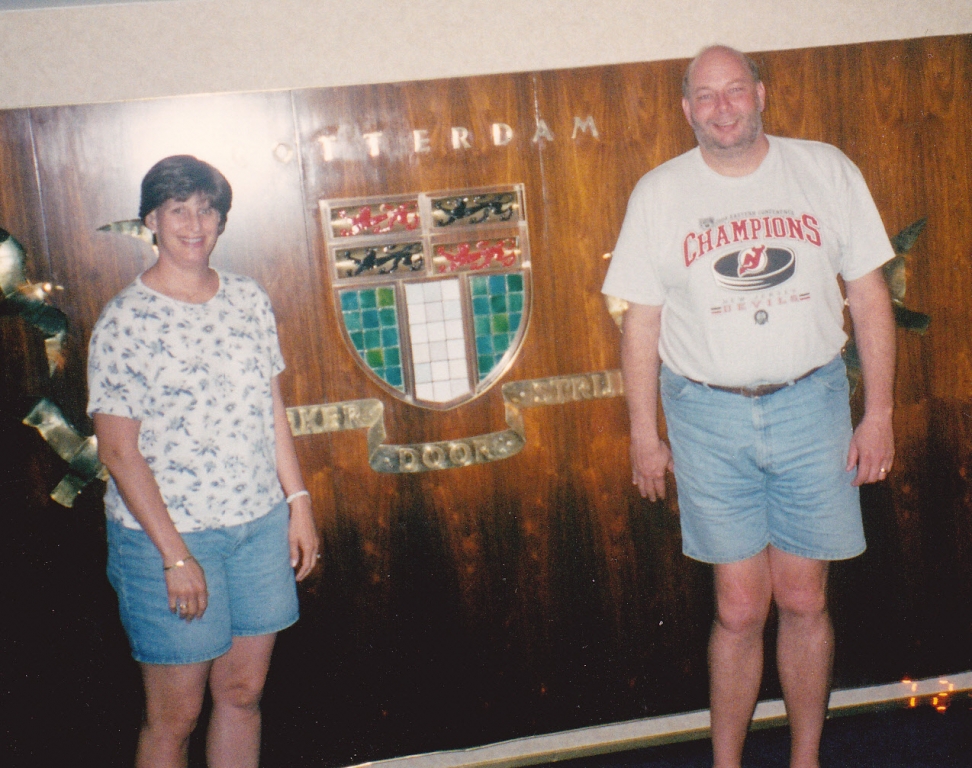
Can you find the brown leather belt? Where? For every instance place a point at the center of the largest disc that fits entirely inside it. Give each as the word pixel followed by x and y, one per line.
pixel 760 390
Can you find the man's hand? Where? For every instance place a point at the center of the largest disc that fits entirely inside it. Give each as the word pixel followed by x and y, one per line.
pixel 650 458
pixel 872 446
pixel 871 450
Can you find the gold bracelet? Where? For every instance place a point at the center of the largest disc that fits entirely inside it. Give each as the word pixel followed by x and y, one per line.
pixel 178 563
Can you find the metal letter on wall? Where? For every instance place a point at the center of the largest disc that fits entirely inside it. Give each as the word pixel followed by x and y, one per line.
pixel 432 290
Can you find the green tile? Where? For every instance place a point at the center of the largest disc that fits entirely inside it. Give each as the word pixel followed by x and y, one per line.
pixel 369 318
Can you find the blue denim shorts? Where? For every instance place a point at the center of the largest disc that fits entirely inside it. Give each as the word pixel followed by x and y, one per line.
pixel 251 587
pixel 753 471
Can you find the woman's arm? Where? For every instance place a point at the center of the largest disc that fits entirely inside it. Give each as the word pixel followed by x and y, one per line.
pixel 118 450
pixel 304 542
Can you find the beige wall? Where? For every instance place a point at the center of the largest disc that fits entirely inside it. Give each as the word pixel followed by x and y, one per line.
pixel 115 52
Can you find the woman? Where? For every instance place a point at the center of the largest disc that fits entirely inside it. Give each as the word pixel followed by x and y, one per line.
pixel 208 517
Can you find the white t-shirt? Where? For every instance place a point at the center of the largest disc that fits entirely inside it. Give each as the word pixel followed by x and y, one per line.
pixel 198 377
pixel 746 268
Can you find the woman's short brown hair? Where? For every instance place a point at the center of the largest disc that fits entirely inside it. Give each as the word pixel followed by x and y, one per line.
pixel 179 177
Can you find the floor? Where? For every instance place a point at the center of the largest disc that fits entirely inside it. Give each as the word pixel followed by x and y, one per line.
pixel 900 738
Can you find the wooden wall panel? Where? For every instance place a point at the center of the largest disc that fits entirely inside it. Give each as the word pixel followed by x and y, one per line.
pixel 541 592
pixel 91 160
pixel 23 366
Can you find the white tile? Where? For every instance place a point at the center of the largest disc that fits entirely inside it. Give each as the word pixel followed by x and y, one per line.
pixel 416 313
pixel 425 392
pixel 420 353
pixel 459 387
pixel 450 290
pixel 432 291
pixel 457 349
pixel 433 311
pixel 423 373
pixel 454 329
pixel 420 333
pixel 440 371
pixel 442 390
pixel 414 293
pixel 452 310
pixel 457 369
pixel 438 350
pixel 436 331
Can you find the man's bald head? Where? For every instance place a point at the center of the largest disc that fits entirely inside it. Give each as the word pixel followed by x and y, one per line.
pixel 751 65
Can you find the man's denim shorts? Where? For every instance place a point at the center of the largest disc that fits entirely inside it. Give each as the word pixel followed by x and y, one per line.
pixel 248 575
pixel 753 471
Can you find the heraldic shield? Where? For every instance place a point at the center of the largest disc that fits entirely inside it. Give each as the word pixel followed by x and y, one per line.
pixel 432 290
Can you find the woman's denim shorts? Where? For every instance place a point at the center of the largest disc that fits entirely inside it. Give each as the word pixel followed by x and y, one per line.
pixel 754 471
pixel 248 575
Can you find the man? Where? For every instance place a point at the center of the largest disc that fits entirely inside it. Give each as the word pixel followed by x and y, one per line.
pixel 729 259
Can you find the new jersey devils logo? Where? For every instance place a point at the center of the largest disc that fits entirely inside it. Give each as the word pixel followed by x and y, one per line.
pixel 753 260
pixel 754 269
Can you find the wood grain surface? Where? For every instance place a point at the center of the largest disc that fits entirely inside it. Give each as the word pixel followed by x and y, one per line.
pixel 525 596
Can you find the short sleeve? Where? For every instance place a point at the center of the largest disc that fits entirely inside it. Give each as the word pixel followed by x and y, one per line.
pixel 277 364
pixel 117 382
pixel 866 246
pixel 632 274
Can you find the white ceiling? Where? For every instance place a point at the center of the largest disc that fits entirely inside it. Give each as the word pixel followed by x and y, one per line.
pixel 29 5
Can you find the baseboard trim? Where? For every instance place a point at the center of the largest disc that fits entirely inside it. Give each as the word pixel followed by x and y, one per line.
pixel 667 729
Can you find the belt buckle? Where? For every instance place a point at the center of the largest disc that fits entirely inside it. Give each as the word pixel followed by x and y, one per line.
pixel 760 390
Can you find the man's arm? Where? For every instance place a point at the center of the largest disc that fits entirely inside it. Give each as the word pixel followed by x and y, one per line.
pixel 650 456
pixel 872 447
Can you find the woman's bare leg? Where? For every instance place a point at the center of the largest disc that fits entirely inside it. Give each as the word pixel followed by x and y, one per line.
pixel 236 684
pixel 173 699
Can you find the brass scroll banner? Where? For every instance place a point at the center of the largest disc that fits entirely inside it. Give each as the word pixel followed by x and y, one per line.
pixel 80 452
pixel 450 454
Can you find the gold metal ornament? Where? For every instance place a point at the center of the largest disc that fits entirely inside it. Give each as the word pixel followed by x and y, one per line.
pixel 463 452
pixel 81 453
pixel 31 301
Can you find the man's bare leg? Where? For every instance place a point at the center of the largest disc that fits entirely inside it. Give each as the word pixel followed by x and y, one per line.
pixel 743 592
pixel 805 650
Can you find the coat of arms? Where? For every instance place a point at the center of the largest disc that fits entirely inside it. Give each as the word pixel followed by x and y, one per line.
pixel 432 290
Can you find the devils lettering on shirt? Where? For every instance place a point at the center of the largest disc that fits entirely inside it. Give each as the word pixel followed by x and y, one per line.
pixel 806 229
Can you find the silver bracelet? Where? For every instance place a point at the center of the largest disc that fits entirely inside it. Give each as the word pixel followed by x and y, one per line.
pixel 297 495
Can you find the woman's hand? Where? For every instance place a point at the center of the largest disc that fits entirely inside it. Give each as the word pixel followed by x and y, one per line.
pixel 302 535
pixel 186 584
